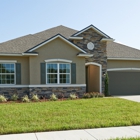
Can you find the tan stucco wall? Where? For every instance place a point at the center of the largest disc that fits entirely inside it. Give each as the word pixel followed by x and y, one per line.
pixel 122 64
pixel 93 78
pixel 24 67
pixel 56 49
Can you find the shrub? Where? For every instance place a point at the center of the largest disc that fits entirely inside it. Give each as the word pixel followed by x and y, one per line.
pixel 35 98
pixel 73 96
pixel 14 97
pixel 106 85
pixel 93 95
pixel 60 96
pixel 86 95
pixel 3 98
pixel 101 95
pixel 53 97
pixel 25 99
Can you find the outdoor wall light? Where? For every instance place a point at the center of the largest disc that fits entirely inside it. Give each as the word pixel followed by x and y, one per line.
pixel 104 73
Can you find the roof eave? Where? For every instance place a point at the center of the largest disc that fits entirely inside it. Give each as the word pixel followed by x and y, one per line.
pixel 85 55
pixel 119 58
pixel 107 39
pixel 75 38
pixel 18 54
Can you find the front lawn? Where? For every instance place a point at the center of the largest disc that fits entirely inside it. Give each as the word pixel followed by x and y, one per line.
pixel 70 114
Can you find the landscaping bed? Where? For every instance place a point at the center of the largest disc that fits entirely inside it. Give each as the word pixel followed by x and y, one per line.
pixel 68 114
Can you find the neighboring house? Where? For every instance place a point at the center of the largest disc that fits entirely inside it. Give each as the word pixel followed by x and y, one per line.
pixel 63 60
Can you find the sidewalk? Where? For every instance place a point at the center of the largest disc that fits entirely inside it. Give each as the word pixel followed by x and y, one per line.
pixel 84 134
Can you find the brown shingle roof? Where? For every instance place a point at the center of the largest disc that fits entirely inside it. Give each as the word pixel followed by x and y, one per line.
pixel 117 50
pixel 64 31
pixel 22 44
pixel 19 45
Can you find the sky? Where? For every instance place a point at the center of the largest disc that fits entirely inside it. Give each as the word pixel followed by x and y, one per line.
pixel 120 19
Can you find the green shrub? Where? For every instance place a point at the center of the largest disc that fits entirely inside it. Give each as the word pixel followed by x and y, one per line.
pixel 73 96
pixel 86 95
pixel 14 97
pixel 60 96
pixel 3 98
pixel 35 98
pixel 53 97
pixel 93 95
pixel 101 95
pixel 25 99
pixel 106 85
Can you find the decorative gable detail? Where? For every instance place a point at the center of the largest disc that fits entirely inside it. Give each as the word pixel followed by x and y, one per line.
pixel 91 27
pixel 54 37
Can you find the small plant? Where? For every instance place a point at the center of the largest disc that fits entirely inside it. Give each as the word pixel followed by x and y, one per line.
pixel 14 97
pixel 73 96
pixel 92 95
pixel 60 96
pixel 101 95
pixel 25 99
pixel 35 98
pixel 86 95
pixel 3 98
pixel 53 97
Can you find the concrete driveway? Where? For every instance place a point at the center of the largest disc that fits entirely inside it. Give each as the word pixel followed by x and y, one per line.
pixel 135 98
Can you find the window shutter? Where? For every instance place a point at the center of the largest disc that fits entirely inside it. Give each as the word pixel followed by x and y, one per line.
pixel 73 73
pixel 43 73
pixel 18 73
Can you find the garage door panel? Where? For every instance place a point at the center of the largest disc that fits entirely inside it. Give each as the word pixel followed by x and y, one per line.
pixel 124 83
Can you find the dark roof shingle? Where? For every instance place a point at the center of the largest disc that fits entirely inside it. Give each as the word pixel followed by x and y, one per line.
pixel 117 50
pixel 22 44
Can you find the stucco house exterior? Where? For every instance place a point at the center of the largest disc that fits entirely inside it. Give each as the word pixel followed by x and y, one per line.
pixel 64 60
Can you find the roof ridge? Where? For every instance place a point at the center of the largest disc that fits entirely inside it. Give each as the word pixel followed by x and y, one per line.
pixel 55 27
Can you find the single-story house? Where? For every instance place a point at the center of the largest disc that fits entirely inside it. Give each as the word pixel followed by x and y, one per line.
pixel 64 60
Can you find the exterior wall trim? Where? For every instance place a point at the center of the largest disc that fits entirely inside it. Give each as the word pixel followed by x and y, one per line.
pixel 111 58
pixel 77 38
pixel 100 75
pixel 123 69
pixel 107 39
pixel 48 85
pixel 18 54
pixel 85 55
pixel 8 61
pixel 58 60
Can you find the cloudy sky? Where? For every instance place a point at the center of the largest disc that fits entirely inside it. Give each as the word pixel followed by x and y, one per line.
pixel 120 19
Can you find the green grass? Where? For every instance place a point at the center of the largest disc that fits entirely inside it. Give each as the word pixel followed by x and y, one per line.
pixel 137 138
pixel 71 114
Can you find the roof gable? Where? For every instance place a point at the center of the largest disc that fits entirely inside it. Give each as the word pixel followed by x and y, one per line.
pixel 94 28
pixel 51 39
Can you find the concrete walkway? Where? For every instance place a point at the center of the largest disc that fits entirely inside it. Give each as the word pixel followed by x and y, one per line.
pixel 135 98
pixel 84 134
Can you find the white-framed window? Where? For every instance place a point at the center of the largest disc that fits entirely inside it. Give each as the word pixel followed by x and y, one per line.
pixel 7 73
pixel 58 73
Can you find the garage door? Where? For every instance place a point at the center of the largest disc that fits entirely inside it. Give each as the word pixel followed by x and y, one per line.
pixel 124 83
